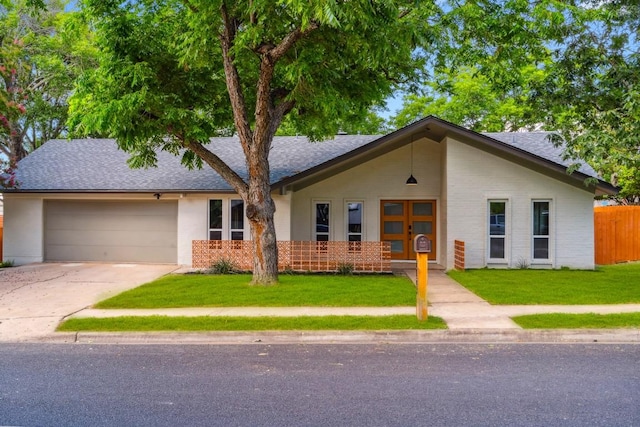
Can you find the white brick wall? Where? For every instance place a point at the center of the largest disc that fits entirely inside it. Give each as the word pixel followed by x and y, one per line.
pixel 474 177
pixel 383 178
pixel 192 224
pixel 23 229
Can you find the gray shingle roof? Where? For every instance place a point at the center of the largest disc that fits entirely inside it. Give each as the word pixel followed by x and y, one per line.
pixel 538 143
pixel 98 165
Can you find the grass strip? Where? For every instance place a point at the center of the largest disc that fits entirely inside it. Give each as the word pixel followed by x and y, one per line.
pixel 221 323
pixel 191 290
pixel 579 321
pixel 615 284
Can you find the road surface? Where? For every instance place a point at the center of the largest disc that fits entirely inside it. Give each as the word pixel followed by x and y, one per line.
pixel 320 385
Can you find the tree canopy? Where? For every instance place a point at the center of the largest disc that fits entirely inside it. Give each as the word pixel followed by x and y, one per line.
pixel 469 99
pixel 42 52
pixel 592 93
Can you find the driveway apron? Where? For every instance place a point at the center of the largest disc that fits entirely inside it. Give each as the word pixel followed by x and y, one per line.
pixel 34 298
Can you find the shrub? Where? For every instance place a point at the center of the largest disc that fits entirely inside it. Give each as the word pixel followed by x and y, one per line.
pixel 345 268
pixel 223 266
pixel 288 270
pixel 522 263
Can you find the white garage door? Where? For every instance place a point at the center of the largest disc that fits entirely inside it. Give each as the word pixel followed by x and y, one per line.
pixel 111 231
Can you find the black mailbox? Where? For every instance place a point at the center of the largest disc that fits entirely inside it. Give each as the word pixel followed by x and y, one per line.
pixel 421 244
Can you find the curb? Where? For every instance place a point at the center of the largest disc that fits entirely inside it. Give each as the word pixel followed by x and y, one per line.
pixel 566 336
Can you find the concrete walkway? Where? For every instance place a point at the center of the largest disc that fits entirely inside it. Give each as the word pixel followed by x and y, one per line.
pixel 457 306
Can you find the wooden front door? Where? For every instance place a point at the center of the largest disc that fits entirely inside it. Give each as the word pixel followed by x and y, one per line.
pixel 401 220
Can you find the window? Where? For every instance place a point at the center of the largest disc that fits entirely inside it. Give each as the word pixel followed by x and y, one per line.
pixel 354 221
pixel 215 219
pixel 237 220
pixel 321 226
pixel 226 219
pixel 497 229
pixel 541 229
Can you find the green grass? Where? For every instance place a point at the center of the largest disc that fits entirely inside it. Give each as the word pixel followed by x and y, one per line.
pixel 579 321
pixel 615 284
pixel 293 290
pixel 205 323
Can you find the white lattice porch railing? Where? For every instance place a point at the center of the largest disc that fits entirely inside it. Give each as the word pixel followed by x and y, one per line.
pixel 297 256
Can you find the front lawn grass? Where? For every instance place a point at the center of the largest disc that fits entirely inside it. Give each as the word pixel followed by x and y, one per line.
pixel 219 323
pixel 613 284
pixel 578 321
pixel 193 290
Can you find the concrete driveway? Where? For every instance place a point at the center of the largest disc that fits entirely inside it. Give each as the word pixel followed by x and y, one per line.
pixel 35 298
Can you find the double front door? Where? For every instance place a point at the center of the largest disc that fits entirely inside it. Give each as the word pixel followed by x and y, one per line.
pixel 401 220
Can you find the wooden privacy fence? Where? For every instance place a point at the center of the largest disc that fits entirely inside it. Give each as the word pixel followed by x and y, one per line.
pixel 297 256
pixel 1 235
pixel 617 234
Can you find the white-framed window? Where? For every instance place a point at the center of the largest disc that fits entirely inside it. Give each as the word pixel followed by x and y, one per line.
pixel 497 227
pixel 355 220
pixel 541 231
pixel 215 219
pixel 226 219
pixel 236 219
pixel 322 221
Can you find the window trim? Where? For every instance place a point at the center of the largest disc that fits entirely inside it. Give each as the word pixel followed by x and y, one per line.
pixel 221 229
pixel 549 234
pixel 507 230
pixel 347 219
pixel 314 218
pixel 226 230
pixel 244 215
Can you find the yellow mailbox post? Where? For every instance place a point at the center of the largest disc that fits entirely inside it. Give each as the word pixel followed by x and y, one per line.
pixel 422 248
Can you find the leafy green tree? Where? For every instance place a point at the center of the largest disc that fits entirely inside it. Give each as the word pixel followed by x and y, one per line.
pixel 592 94
pixel 372 123
pixel 42 52
pixel 468 98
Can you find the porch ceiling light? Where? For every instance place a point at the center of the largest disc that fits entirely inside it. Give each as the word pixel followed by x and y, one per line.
pixel 412 180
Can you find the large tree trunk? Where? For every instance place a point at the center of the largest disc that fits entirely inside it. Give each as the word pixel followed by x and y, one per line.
pixel 260 211
pixel 18 151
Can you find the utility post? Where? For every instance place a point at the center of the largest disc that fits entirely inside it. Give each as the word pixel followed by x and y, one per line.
pixel 422 248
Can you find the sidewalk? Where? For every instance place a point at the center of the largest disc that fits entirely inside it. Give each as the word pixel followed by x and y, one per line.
pixel 458 307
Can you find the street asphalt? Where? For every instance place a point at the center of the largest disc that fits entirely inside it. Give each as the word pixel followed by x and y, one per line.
pixel 36 297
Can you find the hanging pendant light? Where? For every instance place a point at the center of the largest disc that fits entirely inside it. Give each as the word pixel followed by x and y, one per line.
pixel 412 180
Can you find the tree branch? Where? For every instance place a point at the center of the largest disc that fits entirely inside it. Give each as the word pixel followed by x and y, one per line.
pixel 39 82
pixel 236 96
pixel 278 114
pixel 219 166
pixel 289 40
pixel 267 115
